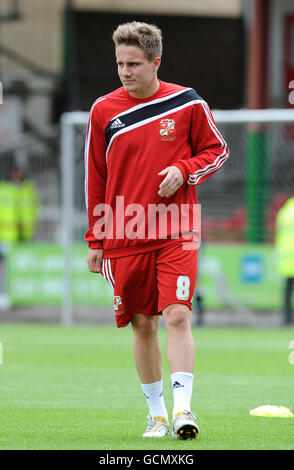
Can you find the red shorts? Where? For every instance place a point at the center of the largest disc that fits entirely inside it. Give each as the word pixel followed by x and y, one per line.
pixel 148 282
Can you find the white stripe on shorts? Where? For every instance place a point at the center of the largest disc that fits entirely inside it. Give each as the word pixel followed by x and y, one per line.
pixel 107 273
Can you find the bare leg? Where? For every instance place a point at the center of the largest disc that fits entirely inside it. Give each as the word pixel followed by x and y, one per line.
pixel 147 351
pixel 180 344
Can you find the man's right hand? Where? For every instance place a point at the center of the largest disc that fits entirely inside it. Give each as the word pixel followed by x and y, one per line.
pixel 94 260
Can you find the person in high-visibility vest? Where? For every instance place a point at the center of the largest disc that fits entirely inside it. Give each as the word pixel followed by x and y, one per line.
pixel 285 247
pixel 19 203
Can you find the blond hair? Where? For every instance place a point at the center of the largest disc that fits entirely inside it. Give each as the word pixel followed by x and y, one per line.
pixel 146 36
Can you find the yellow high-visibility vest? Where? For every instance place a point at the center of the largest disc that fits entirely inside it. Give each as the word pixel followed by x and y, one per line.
pixel 19 205
pixel 285 238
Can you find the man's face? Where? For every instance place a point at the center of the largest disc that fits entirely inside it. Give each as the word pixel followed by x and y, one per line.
pixel 137 74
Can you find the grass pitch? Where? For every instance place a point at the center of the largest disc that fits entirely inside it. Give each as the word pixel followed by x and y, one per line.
pixel 77 388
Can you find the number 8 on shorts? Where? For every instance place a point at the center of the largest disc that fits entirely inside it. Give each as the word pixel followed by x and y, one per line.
pixel 183 288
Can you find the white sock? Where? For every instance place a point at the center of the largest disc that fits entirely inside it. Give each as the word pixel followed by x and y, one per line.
pixel 154 396
pixel 182 383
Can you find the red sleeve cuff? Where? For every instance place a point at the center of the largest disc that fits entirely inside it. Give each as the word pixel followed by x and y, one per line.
pixel 183 170
pixel 96 245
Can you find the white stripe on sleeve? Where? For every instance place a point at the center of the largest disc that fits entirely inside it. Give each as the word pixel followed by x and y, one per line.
pixel 86 153
pixel 220 159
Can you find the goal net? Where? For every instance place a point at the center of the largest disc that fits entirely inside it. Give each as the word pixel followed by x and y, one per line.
pixel 238 204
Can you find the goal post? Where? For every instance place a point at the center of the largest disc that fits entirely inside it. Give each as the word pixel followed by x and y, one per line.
pixel 70 160
pixel 238 204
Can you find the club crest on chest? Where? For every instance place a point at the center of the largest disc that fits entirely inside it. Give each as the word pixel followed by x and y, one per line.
pixel 167 129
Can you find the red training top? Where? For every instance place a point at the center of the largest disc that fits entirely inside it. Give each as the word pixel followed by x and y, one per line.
pixel 129 141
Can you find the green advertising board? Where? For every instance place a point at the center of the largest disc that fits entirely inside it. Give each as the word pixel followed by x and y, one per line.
pixel 245 275
pixel 35 276
pixel 227 274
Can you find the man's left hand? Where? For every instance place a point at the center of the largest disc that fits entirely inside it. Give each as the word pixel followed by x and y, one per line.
pixel 171 183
